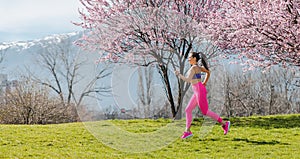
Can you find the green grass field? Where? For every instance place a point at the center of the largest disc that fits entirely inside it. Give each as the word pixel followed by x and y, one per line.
pixel 252 137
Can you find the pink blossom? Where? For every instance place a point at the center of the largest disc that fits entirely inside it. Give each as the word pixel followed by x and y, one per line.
pixel 125 28
pixel 259 31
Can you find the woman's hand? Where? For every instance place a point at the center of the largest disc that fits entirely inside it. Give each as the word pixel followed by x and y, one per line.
pixel 204 84
pixel 176 72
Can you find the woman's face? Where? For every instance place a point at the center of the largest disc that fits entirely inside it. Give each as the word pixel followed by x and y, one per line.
pixel 192 59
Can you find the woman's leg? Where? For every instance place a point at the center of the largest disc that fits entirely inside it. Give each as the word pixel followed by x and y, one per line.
pixel 189 110
pixel 203 104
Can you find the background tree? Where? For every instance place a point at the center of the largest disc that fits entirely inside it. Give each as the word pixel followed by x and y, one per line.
pixel 26 102
pixel 145 94
pixel 150 102
pixel 64 66
pixel 256 93
pixel 266 31
pixel 147 32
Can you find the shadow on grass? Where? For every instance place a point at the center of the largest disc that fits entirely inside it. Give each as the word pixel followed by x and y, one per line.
pixel 268 122
pixel 260 142
pixel 265 122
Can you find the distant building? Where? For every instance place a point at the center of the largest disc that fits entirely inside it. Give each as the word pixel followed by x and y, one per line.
pixel 5 84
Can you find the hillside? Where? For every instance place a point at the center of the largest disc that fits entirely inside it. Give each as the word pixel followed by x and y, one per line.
pixel 253 137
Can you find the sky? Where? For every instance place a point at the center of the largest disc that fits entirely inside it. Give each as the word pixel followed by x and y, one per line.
pixel 22 20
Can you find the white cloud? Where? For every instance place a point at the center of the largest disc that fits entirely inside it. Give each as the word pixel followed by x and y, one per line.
pixel 33 16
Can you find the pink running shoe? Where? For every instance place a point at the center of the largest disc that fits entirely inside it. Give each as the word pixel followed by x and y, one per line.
pixel 186 135
pixel 226 127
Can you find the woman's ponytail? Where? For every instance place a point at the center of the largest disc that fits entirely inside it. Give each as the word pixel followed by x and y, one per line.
pixel 201 56
pixel 204 60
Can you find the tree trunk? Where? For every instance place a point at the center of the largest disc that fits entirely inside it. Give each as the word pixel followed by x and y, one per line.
pixel 272 99
pixel 163 71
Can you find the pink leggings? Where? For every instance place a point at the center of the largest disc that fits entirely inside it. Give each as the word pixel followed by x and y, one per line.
pixel 199 97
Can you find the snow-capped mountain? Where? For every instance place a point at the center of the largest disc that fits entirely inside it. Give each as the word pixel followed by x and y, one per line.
pixel 52 39
pixel 21 58
pixel 22 54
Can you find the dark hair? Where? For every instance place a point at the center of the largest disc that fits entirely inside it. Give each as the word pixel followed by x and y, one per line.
pixel 202 57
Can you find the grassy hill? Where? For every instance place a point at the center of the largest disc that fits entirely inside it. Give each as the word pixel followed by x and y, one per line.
pixel 252 137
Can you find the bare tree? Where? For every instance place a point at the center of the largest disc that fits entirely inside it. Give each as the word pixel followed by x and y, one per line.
pixel 65 65
pixel 150 103
pixel 28 103
pixel 255 92
pixel 144 90
pixel 286 91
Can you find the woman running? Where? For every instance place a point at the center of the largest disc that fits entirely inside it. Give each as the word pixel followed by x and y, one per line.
pixel 199 96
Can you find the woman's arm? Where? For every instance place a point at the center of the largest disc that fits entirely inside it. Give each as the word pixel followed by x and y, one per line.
pixel 203 69
pixel 189 77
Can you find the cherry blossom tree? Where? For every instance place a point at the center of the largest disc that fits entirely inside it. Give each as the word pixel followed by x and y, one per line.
pixel 266 31
pixel 147 32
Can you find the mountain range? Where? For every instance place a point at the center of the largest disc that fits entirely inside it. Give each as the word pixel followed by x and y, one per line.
pixel 21 56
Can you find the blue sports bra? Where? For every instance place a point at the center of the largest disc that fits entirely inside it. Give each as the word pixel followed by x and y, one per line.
pixel 197 76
